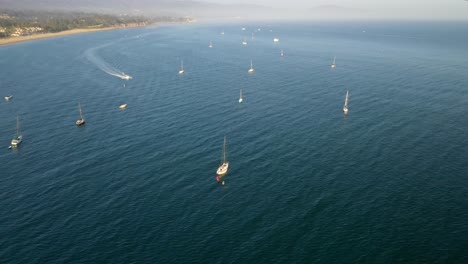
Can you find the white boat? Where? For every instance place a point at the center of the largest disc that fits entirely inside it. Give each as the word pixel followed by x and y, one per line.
pixel 240 97
pixel 244 42
pixel 181 71
pixel 251 70
pixel 252 36
pixel 282 54
pixel 123 106
pixel 126 77
pixel 276 40
pixel 211 44
pixel 345 107
pixel 333 65
pixel 223 168
pixel 222 32
pixel 80 121
pixel 16 141
pixel 8 98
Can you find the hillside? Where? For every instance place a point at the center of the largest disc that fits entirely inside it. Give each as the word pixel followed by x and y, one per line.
pixel 15 23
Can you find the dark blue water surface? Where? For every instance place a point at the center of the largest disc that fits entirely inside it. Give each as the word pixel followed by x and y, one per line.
pixel 387 183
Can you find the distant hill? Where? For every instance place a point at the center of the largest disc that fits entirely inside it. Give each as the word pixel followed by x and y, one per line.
pixel 191 8
pixel 17 22
pixel 145 7
pixel 334 12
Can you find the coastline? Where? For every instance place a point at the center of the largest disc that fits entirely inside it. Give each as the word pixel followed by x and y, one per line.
pixel 15 40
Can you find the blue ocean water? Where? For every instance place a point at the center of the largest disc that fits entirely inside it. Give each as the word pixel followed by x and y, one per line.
pixel 386 183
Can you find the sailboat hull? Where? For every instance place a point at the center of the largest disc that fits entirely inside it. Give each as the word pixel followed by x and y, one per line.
pixel 223 169
pixel 80 122
pixel 16 141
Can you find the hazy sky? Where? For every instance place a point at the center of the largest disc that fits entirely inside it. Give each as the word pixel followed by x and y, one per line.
pixel 446 9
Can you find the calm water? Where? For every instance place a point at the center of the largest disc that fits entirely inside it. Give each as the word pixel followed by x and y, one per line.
pixel 387 183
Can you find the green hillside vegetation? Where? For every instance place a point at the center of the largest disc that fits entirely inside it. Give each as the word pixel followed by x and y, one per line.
pixel 29 22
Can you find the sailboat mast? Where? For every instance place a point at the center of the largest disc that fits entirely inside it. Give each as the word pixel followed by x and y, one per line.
pixel 182 65
pixel 81 112
pixel 251 65
pixel 346 99
pixel 224 150
pixel 17 125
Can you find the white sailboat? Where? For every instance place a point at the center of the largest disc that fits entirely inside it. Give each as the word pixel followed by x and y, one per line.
pixel 8 98
pixel 223 168
pixel 251 70
pixel 181 71
pixel 80 121
pixel 333 65
pixel 16 141
pixel 211 44
pixel 282 54
pixel 345 107
pixel 240 97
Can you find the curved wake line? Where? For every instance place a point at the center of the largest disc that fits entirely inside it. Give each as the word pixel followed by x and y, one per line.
pixel 104 66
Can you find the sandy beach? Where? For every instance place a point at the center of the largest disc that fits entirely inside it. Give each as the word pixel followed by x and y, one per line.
pixel 14 40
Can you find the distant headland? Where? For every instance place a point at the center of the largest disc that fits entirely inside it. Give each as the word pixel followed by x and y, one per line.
pixel 19 26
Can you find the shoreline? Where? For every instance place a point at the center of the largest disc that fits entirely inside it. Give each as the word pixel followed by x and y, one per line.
pixel 16 40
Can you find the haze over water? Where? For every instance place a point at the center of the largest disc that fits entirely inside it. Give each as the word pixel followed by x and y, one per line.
pixel 384 184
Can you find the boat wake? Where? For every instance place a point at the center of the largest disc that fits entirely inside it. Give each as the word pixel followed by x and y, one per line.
pixel 90 54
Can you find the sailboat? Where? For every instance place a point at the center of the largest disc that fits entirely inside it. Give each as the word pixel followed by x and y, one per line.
pixel 244 42
pixel 251 70
pixel 16 141
pixel 8 98
pixel 282 54
pixel 345 107
pixel 80 121
pixel 333 63
pixel 181 71
pixel 211 44
pixel 223 168
pixel 240 97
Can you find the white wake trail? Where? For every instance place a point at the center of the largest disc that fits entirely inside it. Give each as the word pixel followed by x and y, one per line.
pixel 90 54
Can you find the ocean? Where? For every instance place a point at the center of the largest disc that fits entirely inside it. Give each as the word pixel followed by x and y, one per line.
pixel 386 183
